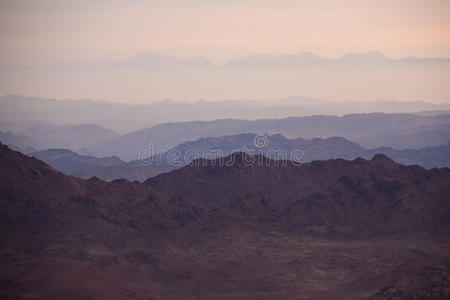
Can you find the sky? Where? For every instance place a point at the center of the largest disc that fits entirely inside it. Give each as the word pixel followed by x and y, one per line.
pixel 37 32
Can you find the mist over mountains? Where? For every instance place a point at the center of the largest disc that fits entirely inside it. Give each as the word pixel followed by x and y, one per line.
pixel 19 113
pixel 343 220
pixel 225 150
pixel 39 124
pixel 275 146
pixel 307 58
pixel 150 76
pixel 69 136
pixel 369 130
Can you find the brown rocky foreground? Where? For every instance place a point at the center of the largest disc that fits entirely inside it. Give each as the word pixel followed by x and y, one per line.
pixel 324 230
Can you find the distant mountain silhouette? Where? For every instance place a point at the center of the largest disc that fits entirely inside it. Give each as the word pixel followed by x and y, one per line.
pixel 374 130
pixel 353 76
pixel 372 56
pixel 274 146
pixel 106 168
pixel 278 145
pixel 314 149
pixel 429 157
pixel 18 113
pixel 152 165
pixel 305 58
pixel 69 136
pixel 69 162
pixel 325 229
pixel 19 142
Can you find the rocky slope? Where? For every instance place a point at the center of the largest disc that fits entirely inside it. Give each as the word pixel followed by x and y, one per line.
pixel 353 197
pixel 226 229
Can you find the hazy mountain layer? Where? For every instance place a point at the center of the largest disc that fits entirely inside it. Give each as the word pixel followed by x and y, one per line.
pixel 70 162
pixel 69 136
pixel 354 76
pixel 18 113
pixel 275 146
pixel 368 130
pixel 19 142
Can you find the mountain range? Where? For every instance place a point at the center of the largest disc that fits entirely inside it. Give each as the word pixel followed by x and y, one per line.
pixel 274 146
pixel 151 76
pixel 69 136
pixel 151 60
pixel 19 113
pixel 374 130
pixel 70 163
pixel 236 227
pixel 19 142
pixel 307 58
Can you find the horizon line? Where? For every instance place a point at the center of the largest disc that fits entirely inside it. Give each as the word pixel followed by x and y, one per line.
pixel 210 61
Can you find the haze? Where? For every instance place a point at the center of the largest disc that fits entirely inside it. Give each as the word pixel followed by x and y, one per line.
pixel 224 149
pixel 42 33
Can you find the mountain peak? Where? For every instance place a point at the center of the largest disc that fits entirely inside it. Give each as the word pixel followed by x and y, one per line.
pixel 381 158
pixel 237 158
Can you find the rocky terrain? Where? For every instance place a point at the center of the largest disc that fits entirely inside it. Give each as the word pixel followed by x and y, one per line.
pixel 240 227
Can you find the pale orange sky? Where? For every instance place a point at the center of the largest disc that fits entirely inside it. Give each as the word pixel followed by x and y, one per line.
pixel 42 32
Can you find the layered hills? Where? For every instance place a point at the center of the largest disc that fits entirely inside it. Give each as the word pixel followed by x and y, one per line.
pixel 18 113
pixel 69 162
pixel 274 146
pixel 372 130
pixel 35 118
